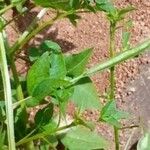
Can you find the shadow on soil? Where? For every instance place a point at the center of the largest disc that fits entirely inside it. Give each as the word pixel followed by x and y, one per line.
pixel 47 34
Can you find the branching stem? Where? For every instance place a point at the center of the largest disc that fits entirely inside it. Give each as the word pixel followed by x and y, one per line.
pixel 112 76
pixel 43 134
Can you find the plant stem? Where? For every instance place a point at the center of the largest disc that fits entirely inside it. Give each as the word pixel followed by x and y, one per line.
pixel 116 134
pixel 112 54
pixel 27 35
pixel 112 76
pixel 7 92
pixel 43 134
pixel 19 90
pixel 123 56
pixel 6 8
pixel 16 104
pixel 30 28
pixel 20 95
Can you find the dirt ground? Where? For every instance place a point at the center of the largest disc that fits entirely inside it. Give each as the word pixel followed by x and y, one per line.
pixel 93 31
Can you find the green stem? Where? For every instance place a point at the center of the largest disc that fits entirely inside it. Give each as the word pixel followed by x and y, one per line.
pixel 112 77
pixel 20 95
pixel 112 54
pixel 6 8
pixel 116 134
pixel 16 104
pixel 30 28
pixel 123 56
pixel 19 90
pixel 30 33
pixel 43 134
pixel 7 92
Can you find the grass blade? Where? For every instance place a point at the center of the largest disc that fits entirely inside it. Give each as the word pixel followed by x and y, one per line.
pixel 7 93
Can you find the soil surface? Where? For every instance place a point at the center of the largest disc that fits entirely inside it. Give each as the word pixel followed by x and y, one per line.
pixel 93 31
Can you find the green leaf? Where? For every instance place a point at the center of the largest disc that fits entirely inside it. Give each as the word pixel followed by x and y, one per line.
pixel 106 5
pixel 125 40
pixel 2 4
pixel 48 143
pixel 1 88
pixel 111 115
pixel 44 115
pixel 45 88
pixel 45 76
pixel 34 53
pixel 87 5
pixel 21 120
pixel 50 127
pixel 16 1
pixel 124 11
pixel 144 142
pixel 73 18
pixel 2 111
pixel 62 97
pixel 80 138
pixel 58 67
pixel 19 5
pixel 128 24
pixel 75 4
pixel 85 95
pixel 2 140
pixel 38 72
pixel 80 121
pixel 48 45
pixel 56 4
pixel 76 63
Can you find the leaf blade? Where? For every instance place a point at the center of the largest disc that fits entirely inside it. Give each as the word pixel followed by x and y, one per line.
pixel 85 95
pixel 76 63
pixel 80 138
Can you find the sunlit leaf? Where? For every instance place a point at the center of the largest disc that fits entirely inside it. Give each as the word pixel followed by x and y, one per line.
pixel 56 4
pixel 111 115
pixel 81 138
pixel 85 95
pixel 76 63
pixel 38 72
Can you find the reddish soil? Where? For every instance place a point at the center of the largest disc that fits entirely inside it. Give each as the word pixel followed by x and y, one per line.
pixel 93 31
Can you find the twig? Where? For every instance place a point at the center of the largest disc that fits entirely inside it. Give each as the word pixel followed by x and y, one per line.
pixel 129 127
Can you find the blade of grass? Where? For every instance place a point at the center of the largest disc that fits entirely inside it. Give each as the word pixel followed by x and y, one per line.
pixel 19 94
pixel 7 93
